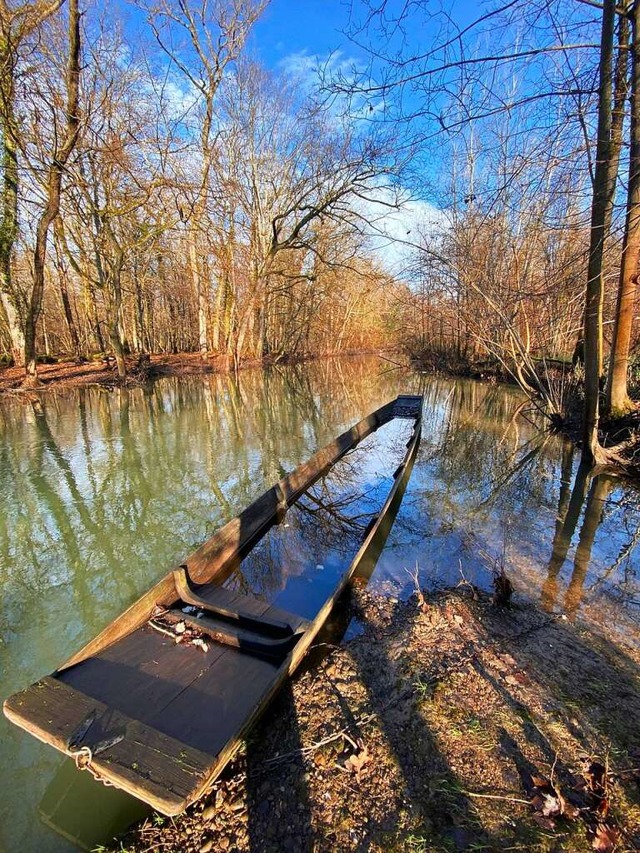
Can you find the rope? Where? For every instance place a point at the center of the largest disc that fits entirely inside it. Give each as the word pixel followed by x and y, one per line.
pixel 83 757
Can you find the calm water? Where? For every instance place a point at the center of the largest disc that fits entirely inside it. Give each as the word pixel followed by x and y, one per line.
pixel 102 492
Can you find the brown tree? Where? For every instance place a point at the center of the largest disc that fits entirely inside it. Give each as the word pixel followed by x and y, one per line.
pixel 17 24
pixel 617 397
pixel 58 161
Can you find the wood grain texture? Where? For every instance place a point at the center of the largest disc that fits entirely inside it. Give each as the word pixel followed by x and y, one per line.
pixel 148 764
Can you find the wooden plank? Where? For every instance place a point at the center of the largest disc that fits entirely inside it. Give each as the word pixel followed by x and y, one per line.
pixel 234 635
pixel 214 593
pixel 258 607
pixel 224 696
pixel 141 673
pixel 235 613
pixel 252 604
pixel 147 764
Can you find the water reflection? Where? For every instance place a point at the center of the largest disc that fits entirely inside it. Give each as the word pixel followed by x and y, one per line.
pixel 489 486
pixel 102 492
pixel 84 813
pixel 298 563
pixel 569 509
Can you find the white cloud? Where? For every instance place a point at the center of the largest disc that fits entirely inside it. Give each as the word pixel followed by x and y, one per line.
pixel 395 225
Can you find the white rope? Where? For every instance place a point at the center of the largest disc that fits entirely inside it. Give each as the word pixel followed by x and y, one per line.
pixel 83 757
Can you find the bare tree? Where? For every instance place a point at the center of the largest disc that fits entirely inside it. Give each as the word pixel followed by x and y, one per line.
pixel 215 32
pixel 17 24
pixel 617 397
pixel 604 178
pixel 58 161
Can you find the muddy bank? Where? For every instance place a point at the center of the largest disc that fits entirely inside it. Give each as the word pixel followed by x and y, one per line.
pixel 445 725
pixel 70 374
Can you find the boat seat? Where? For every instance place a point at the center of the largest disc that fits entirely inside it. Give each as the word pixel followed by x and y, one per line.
pixel 249 641
pixel 242 611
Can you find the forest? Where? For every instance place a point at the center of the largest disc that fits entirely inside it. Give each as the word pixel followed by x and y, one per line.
pixel 165 192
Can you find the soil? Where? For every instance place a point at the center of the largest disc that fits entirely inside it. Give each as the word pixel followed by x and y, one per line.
pixel 69 374
pixel 447 724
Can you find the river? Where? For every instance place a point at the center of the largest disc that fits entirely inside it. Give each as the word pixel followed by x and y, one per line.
pixel 103 491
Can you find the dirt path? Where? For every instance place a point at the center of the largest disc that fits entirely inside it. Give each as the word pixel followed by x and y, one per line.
pixel 447 726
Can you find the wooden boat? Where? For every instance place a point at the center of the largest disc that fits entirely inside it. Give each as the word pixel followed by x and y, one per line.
pixel 160 700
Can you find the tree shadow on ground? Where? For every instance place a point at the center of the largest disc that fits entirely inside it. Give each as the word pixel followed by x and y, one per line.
pixel 428 732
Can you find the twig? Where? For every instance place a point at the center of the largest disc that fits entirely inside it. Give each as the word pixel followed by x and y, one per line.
pixel 162 630
pixel 415 577
pixel 496 797
pixel 309 750
pixel 465 582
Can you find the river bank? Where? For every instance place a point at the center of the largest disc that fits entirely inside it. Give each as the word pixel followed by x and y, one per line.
pixel 62 375
pixel 447 724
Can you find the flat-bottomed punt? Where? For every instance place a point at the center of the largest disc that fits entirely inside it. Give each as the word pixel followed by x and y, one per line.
pixel 159 701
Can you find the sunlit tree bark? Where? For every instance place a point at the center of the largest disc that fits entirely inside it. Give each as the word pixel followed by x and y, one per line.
pixel 602 199
pixel 617 398
pixel 56 168
pixel 16 25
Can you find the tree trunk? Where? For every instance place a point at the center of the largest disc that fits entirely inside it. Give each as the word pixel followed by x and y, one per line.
pixel 58 162
pixel 9 204
pixel 115 307
pixel 68 315
pixel 591 450
pixel 617 399
pixel 196 278
pixel 617 128
pixel 13 322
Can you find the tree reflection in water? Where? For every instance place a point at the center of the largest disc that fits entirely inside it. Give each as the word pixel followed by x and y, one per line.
pixel 298 563
pixel 488 482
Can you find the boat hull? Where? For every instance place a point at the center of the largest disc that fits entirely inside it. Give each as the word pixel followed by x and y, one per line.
pixel 160 719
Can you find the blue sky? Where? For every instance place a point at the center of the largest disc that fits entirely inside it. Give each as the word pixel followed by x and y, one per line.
pixel 291 27
pixel 294 34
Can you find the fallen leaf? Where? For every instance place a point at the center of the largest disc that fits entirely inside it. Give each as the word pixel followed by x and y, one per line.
pixel 544 822
pixel 552 806
pixel 606 838
pixel 539 782
pixel 569 810
pixel 518 678
pixel 355 763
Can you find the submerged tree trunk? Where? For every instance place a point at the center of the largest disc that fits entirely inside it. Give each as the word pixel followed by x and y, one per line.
pixel 617 398
pixel 602 198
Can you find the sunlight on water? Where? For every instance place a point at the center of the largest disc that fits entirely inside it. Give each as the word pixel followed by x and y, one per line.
pixel 103 492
